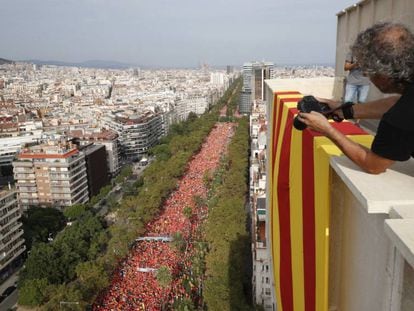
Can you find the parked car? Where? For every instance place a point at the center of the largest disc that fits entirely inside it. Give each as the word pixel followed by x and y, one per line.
pixel 7 292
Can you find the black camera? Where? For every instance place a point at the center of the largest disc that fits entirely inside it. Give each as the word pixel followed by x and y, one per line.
pixel 308 104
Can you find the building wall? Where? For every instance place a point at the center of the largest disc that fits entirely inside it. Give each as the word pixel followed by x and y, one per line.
pixel 11 232
pixel 253 88
pixel 262 280
pixel 97 168
pixel 371 244
pixel 55 182
pixel 358 254
pixel 136 138
pixel 353 20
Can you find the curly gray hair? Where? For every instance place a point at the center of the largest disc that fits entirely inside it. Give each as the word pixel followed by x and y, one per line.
pixel 387 49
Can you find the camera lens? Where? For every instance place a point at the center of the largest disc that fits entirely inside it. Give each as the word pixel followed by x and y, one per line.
pixel 299 125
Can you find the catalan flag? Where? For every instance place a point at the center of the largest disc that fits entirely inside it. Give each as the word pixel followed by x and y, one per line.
pixel 299 203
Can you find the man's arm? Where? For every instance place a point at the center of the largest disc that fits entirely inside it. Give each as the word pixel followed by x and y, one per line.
pixel 363 157
pixel 349 65
pixel 374 109
pixel 370 110
pixel 360 155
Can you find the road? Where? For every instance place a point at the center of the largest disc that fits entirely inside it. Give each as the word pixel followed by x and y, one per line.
pixel 10 301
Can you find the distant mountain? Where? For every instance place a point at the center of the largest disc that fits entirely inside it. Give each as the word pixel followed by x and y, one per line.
pixel 5 61
pixel 86 64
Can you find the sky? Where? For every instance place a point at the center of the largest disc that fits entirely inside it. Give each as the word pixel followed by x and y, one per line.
pixel 171 33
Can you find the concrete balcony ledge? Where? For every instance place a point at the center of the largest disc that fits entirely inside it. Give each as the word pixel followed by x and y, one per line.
pixel 402 211
pixel 378 193
pixel 401 234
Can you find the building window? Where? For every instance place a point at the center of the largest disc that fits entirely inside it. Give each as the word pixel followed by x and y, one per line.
pixel 268 291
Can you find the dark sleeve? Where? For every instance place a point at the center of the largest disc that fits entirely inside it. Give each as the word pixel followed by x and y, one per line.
pixel 393 143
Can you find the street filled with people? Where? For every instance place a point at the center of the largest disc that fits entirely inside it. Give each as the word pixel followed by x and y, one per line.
pixel 134 285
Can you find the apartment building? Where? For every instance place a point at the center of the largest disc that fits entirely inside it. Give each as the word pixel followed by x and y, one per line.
pixel 96 167
pixel 14 135
pixel 138 131
pixel 196 104
pixel 51 174
pixel 262 281
pixel 11 232
pixel 254 74
pixel 104 137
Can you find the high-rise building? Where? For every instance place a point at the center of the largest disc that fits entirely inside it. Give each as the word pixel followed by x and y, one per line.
pixel 11 232
pixel 52 174
pixel 253 88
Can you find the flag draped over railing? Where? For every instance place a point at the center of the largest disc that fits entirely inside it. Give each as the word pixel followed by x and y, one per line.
pixel 299 203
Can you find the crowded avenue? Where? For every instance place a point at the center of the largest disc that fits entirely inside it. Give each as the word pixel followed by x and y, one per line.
pixel 134 285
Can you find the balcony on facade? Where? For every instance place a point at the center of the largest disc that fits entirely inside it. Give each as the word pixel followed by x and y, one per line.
pixel 11 232
pixel 51 175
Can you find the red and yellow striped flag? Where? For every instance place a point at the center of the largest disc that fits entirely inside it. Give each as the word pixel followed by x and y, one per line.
pixel 298 197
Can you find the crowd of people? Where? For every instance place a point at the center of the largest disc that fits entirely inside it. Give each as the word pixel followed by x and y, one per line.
pixel 135 285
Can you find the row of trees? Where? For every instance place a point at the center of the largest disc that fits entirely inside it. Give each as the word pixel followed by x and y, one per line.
pixel 78 264
pixel 227 283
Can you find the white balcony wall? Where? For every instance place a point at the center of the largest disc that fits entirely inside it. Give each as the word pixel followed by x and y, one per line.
pixel 368 269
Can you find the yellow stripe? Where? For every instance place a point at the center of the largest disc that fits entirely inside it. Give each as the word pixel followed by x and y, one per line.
pixel 275 216
pixel 296 221
pixel 323 150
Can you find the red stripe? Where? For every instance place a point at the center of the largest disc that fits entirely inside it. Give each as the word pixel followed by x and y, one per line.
pixel 308 212
pixel 277 122
pixel 283 195
pixel 308 205
pixel 348 128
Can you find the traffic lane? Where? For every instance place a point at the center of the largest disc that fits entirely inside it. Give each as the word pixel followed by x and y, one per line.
pixel 10 301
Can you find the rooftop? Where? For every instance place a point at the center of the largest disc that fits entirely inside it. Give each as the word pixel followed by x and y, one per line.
pixel 49 150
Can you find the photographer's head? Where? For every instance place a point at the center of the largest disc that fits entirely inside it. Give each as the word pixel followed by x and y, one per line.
pixel 385 52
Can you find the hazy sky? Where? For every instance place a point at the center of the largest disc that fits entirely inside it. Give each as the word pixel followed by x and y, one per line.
pixel 171 33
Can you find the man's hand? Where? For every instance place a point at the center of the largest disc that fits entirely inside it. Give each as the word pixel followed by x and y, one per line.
pixel 315 121
pixel 362 156
pixel 349 66
pixel 332 104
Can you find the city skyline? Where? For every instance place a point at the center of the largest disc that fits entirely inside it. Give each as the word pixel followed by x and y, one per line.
pixel 171 34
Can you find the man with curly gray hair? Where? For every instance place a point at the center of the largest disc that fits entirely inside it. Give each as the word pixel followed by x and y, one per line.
pixel 385 53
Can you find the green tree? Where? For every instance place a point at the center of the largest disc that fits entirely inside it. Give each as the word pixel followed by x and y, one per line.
pixel 33 292
pixel 92 276
pixel 178 241
pixel 65 297
pixel 75 211
pixel 43 263
pixel 39 223
pixel 164 276
pixel 188 211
